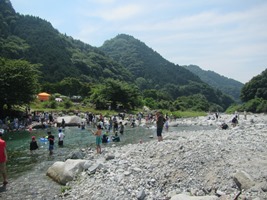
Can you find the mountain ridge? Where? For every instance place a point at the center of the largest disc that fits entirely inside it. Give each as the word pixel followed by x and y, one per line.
pixel 227 85
pixel 127 59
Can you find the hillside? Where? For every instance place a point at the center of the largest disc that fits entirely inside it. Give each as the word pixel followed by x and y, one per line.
pixel 156 72
pixel 255 88
pixel 123 58
pixel 144 62
pixel 226 85
pixel 35 40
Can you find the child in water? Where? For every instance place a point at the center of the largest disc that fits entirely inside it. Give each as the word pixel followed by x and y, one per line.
pixel 33 144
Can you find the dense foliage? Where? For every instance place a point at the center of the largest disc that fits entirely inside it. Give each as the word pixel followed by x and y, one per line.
pixel 152 72
pixel 124 72
pixel 253 95
pixel 228 86
pixel 33 39
pixel 255 88
pixel 115 94
pixel 145 63
pixel 19 83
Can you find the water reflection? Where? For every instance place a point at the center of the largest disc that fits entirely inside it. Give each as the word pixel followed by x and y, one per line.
pixel 18 145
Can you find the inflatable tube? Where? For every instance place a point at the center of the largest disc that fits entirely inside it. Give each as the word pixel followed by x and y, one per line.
pixel 43 140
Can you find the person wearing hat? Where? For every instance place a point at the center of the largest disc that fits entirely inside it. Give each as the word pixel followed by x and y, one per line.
pixel 3 159
pixel 33 144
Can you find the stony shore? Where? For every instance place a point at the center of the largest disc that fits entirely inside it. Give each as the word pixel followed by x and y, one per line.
pixel 205 164
pixel 211 164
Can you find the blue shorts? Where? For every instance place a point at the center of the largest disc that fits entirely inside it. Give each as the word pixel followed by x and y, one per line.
pixel 51 147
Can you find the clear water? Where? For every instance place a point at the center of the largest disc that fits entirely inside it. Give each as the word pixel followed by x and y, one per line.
pixel 18 144
pixel 20 159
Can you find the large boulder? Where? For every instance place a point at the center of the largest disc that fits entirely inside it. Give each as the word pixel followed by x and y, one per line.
pixel 63 172
pixel 70 120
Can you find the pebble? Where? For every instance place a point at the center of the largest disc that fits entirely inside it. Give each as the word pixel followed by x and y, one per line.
pixel 201 163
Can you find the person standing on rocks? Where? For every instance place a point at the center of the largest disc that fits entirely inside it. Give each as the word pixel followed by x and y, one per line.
pixel 3 159
pixel 98 134
pixel 160 124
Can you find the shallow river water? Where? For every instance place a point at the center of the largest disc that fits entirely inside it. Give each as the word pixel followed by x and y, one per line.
pixel 27 172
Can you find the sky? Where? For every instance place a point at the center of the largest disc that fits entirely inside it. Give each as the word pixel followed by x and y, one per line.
pixel 228 37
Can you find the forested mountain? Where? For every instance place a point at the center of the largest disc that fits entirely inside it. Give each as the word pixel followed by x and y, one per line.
pixel 255 88
pixel 253 95
pixel 226 85
pixel 123 63
pixel 35 40
pixel 145 63
pixel 152 71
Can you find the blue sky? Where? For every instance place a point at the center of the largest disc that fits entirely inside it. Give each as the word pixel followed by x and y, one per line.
pixel 225 36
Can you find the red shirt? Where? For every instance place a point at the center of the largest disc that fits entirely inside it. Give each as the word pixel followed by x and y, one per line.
pixel 2 151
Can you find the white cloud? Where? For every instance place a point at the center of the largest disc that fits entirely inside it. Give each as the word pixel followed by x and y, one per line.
pixel 225 36
pixel 119 13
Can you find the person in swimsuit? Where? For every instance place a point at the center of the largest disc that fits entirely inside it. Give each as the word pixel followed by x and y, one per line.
pixel 98 134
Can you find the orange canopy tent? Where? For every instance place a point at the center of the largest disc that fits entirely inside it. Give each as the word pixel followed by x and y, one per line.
pixel 43 96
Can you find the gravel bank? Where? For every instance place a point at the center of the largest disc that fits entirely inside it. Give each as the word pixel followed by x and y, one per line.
pixel 218 162
pixel 202 164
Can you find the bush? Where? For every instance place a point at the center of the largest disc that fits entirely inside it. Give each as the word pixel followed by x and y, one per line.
pixel 67 104
pixel 262 107
pixel 53 104
pixel 252 105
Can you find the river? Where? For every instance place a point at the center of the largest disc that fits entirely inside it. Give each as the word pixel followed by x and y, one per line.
pixel 27 172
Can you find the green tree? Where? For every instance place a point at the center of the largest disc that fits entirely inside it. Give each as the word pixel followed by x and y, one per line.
pixel 115 93
pixel 255 88
pixel 197 102
pixel 18 82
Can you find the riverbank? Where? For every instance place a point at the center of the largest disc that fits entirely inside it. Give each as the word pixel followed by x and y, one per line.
pixel 200 162
pixel 211 164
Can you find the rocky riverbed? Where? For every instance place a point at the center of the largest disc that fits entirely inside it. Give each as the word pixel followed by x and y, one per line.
pixel 210 164
pixel 201 165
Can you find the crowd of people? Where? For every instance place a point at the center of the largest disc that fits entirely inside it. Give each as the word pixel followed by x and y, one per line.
pixel 108 129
